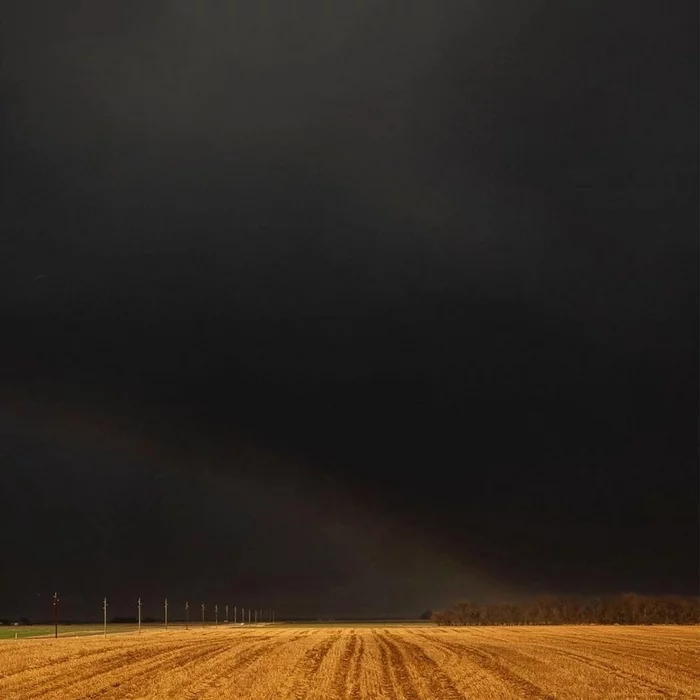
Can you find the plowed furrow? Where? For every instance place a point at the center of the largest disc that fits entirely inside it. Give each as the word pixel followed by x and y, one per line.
pixel 439 684
pixel 519 685
pixel 308 667
pixel 398 669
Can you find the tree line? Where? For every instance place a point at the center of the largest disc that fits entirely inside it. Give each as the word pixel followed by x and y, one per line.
pixel 624 609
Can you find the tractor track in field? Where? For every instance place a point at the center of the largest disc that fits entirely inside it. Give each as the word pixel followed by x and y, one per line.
pixel 398 674
pixel 441 685
pixel 135 666
pixel 356 670
pixel 52 662
pixel 608 647
pixel 618 672
pixel 80 670
pixel 342 678
pixel 306 670
pixel 139 675
pixel 206 682
pixel 489 662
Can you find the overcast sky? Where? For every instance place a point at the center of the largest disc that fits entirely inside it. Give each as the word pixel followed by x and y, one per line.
pixel 327 281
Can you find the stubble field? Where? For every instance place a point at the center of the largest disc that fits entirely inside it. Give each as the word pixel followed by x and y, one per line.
pixel 327 663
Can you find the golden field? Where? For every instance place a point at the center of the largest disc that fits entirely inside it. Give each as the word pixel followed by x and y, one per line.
pixel 345 662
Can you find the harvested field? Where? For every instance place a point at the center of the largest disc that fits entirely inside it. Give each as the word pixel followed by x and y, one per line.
pixel 345 662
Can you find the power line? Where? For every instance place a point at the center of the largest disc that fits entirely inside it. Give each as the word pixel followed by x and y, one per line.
pixel 55 614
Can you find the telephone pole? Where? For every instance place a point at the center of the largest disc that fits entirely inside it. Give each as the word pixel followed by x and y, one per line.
pixel 104 613
pixel 166 613
pixel 55 614
pixel 138 605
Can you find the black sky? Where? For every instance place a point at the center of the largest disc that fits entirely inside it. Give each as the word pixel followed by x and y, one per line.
pixel 348 308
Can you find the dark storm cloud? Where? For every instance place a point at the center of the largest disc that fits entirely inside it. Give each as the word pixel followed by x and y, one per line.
pixel 247 125
pixel 109 515
pixel 401 241
pixel 289 158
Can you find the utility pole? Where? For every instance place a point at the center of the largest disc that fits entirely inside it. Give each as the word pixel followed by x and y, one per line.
pixel 104 612
pixel 226 617
pixel 166 614
pixel 243 615
pixel 234 614
pixel 216 615
pixel 248 615
pixel 55 614
pixel 138 605
pixel 202 614
pixel 187 615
